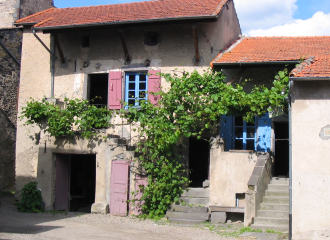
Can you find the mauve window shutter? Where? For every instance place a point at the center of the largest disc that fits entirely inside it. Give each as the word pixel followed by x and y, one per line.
pixel 154 83
pixel 114 93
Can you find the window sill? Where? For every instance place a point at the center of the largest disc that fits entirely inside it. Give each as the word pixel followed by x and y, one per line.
pixel 241 151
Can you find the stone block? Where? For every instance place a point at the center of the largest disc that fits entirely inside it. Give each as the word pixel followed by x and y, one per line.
pixel 218 217
pixel 102 208
pixel 206 183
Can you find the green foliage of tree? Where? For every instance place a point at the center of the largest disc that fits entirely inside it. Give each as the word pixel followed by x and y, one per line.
pixel 30 199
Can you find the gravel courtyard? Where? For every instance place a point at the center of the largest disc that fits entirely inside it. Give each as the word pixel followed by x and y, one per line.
pixel 15 225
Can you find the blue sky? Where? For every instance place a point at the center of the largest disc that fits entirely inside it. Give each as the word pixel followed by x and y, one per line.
pixel 261 17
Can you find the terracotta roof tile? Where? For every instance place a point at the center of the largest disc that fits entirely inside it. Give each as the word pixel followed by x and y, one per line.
pixel 274 49
pixel 127 12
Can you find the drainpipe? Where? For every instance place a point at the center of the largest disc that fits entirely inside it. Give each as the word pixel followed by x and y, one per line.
pixel 53 58
pixel 290 158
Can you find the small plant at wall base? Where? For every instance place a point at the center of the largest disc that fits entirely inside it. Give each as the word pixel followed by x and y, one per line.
pixel 30 199
pixel 78 117
pixel 193 104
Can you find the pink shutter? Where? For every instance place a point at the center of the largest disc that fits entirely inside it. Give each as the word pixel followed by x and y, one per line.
pixel 154 83
pixel 114 93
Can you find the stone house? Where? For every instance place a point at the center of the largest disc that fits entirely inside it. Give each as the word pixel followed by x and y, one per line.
pixel 10 55
pixel 111 51
pixel 298 142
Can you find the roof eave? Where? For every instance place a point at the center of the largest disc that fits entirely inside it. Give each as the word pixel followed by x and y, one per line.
pixel 127 22
pixel 255 63
pixel 308 78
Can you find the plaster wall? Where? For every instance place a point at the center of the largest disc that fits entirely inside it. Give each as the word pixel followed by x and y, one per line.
pixel 224 31
pixel 229 174
pixel 174 53
pixel 34 83
pixel 310 160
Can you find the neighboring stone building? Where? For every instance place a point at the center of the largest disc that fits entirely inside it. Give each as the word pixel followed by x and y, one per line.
pixel 108 51
pixel 11 39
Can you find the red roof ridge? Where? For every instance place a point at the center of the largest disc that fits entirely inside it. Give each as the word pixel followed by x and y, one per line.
pixel 220 7
pixel 42 22
pixel 36 14
pixel 228 48
pixel 302 65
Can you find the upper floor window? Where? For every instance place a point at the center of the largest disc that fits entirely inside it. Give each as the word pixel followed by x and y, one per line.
pixel 151 38
pixel 136 87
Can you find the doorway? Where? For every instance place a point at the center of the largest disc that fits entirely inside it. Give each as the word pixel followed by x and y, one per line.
pixel 199 153
pixel 75 182
pixel 281 163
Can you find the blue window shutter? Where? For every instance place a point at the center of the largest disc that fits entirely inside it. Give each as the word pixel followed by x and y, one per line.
pixel 264 133
pixel 226 129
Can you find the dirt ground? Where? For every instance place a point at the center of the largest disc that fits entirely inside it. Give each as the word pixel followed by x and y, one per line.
pixel 15 225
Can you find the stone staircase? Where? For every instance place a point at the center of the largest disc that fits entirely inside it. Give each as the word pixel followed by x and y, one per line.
pixel 195 209
pixel 274 209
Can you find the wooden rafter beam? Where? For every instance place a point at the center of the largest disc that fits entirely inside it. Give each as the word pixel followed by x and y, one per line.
pixel 123 43
pixel 59 48
pixel 197 58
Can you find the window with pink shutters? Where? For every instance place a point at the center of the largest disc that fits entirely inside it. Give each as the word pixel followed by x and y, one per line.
pixel 115 86
pixel 154 83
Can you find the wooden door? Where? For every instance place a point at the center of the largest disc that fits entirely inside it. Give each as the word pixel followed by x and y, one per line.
pixel 119 188
pixel 140 183
pixel 62 182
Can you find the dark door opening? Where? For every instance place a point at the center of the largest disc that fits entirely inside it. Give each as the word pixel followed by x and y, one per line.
pixel 281 163
pixel 75 182
pixel 199 152
pixel 82 182
pixel 98 89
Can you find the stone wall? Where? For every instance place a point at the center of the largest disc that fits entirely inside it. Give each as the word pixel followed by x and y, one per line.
pixel 11 10
pixel 7 153
pixel 9 82
pixel 29 7
pixel 8 12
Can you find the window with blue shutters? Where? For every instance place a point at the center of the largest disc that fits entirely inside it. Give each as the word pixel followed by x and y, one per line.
pixel 240 135
pixel 136 88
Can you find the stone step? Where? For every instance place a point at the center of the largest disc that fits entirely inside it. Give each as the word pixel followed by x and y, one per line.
pixel 276 180
pixel 272 214
pixel 277 207
pixel 185 221
pixel 277 193
pixel 197 193
pixel 188 209
pixel 278 228
pixel 276 200
pixel 281 187
pixel 271 221
pixel 195 201
pixel 188 216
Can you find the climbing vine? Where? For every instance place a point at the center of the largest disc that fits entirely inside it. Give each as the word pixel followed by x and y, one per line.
pixel 193 103
pixel 76 116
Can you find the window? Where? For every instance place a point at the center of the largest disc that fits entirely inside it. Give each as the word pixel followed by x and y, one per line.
pixel 244 138
pixel 135 88
pixel 240 135
pixel 136 85
pixel 151 38
pixel 98 89
pixel 84 41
